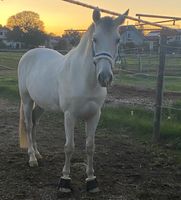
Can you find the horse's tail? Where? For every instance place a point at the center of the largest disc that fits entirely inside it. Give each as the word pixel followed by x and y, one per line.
pixel 22 129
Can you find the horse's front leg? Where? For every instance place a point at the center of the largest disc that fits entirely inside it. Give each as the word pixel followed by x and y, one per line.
pixel 65 181
pixel 91 126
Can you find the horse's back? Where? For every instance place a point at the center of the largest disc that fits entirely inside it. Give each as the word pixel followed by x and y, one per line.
pixel 38 55
pixel 37 75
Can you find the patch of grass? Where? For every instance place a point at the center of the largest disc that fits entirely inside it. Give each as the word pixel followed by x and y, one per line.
pixel 139 122
pixel 8 78
pixel 9 88
pixel 170 83
pixel 137 81
pixel 10 59
pixel 131 119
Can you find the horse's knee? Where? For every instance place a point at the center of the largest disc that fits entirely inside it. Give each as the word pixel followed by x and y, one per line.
pixel 69 149
pixel 90 147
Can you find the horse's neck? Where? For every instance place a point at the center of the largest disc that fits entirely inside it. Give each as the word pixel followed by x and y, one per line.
pixel 84 60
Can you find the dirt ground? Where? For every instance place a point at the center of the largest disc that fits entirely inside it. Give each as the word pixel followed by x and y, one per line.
pixel 144 97
pixel 126 169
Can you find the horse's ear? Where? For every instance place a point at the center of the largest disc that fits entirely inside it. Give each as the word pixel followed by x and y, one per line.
pixel 96 15
pixel 120 20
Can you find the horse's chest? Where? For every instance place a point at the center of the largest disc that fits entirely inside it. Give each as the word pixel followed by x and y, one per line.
pixel 86 109
pixel 89 109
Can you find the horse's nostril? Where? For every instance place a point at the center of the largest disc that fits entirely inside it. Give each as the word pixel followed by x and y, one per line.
pixel 105 79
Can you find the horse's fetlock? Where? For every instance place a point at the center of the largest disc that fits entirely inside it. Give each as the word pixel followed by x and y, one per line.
pixel 31 152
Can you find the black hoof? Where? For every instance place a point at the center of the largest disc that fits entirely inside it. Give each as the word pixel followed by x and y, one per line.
pixel 64 185
pixel 92 186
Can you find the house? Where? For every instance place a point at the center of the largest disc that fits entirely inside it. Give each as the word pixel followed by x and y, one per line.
pixel 153 39
pixel 3 33
pixel 52 41
pixel 7 43
pixel 13 44
pixel 129 34
pixel 175 38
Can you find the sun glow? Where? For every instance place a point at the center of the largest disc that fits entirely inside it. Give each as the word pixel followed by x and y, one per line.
pixel 58 15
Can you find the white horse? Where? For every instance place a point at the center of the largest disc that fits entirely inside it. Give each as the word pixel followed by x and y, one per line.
pixel 74 84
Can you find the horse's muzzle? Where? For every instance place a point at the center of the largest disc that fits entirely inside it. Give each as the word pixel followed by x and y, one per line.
pixel 105 79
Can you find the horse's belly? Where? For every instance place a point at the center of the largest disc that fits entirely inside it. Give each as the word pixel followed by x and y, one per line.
pixel 50 104
pixel 45 96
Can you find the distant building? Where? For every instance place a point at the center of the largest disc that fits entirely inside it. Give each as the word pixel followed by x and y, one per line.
pixel 175 38
pixel 7 43
pixel 129 34
pixel 13 45
pixel 153 39
pixel 3 33
pixel 53 41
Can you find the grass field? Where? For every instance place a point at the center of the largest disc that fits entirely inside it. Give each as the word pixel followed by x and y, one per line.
pixel 148 76
pixel 140 122
pixel 10 59
pixel 171 83
pixel 8 78
pixel 149 63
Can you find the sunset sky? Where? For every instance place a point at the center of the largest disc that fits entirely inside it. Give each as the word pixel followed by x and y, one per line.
pixel 58 15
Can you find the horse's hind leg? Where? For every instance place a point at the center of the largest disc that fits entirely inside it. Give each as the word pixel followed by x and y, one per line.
pixel 28 106
pixel 37 112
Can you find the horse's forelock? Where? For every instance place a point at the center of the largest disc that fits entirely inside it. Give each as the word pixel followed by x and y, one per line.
pixel 107 23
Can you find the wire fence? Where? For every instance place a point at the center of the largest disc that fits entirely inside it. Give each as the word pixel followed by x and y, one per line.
pixel 141 66
pixel 134 60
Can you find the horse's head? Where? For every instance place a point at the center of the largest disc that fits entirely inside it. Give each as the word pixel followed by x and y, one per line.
pixel 105 42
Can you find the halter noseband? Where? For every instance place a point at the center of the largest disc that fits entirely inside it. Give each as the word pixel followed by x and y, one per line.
pixel 102 55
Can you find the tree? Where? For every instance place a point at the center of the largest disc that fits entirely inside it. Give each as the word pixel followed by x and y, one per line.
pixel 62 44
pixel 15 35
pixel 25 20
pixel 33 38
pixel 73 37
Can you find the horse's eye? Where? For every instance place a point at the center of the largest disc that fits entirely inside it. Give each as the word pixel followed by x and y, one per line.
pixel 117 40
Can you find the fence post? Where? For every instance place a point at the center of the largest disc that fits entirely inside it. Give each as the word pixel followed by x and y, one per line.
pixel 159 89
pixel 140 63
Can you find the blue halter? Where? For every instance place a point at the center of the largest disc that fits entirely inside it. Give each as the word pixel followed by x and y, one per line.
pixel 102 55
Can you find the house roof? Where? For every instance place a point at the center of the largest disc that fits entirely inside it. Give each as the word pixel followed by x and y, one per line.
pixel 124 29
pixel 4 29
pixel 153 34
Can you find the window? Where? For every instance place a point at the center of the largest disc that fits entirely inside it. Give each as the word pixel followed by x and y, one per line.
pixel 178 38
pixel 129 37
